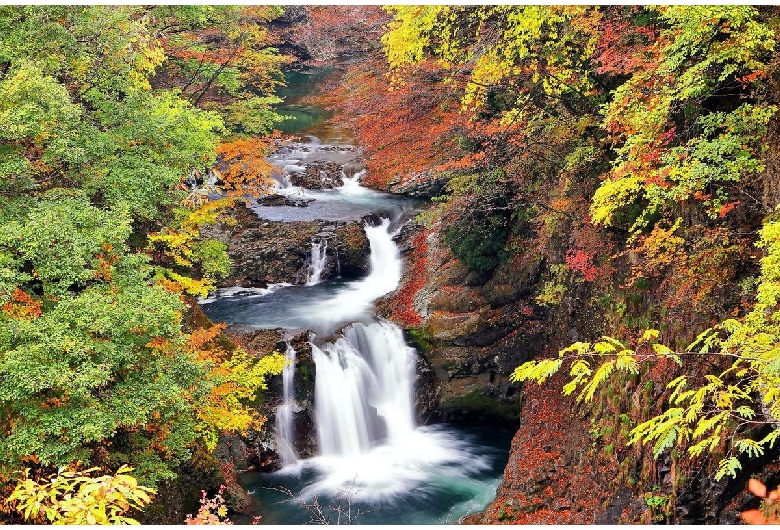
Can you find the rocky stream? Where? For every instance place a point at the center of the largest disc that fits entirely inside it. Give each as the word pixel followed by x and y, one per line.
pixel 354 411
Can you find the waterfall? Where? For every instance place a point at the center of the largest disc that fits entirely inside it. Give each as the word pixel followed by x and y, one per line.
pixel 317 261
pixel 352 185
pixel 284 413
pixel 363 389
pixel 354 302
pixel 364 401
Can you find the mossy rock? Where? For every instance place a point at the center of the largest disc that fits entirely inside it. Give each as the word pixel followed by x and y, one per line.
pixel 476 404
pixel 420 339
pixel 177 498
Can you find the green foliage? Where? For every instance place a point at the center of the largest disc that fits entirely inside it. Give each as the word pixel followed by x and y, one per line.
pixel 479 233
pixel 554 288
pixel 150 144
pixel 75 498
pixel 537 44
pixel 671 146
pixel 731 403
pixel 479 240
pixel 659 505
pixel 187 261
pixel 97 242
pixel 235 382
pixel 59 240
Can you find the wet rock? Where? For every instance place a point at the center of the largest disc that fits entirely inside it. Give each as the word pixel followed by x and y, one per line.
pixel 351 250
pixel 426 393
pixel 476 332
pixel 178 497
pixel 319 175
pixel 353 167
pixel 259 450
pixel 281 200
pixel 266 252
pixel 371 219
pixel 425 184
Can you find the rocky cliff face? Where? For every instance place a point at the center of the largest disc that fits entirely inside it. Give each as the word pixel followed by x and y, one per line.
pixel 259 450
pixel 471 331
pixel 569 463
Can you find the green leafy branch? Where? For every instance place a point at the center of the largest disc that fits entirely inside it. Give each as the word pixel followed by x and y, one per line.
pixel 74 497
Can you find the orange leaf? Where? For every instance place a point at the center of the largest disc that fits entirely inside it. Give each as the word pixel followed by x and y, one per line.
pixel 753 517
pixel 757 488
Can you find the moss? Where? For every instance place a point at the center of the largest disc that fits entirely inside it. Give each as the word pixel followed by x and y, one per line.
pixel 503 515
pixel 176 498
pixel 354 242
pixel 303 372
pixel 475 402
pixel 420 338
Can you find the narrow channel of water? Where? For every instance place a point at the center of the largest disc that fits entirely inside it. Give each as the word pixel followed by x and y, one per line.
pixel 370 450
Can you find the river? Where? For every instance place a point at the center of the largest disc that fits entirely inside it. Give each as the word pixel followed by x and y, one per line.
pixel 370 450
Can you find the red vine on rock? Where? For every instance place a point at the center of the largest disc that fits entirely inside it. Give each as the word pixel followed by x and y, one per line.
pixel 404 311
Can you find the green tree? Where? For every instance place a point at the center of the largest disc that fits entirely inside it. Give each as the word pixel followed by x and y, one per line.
pixel 95 365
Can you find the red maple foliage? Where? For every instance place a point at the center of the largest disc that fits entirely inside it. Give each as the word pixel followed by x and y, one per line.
pixel 404 128
pixel 403 301
pixel 623 45
pixel 581 261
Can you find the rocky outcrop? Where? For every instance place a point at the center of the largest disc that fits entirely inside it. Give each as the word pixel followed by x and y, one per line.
pixel 425 184
pixel 259 449
pixel 557 473
pixel 472 332
pixel 265 252
pixel 319 175
pixel 282 200
pixel 177 498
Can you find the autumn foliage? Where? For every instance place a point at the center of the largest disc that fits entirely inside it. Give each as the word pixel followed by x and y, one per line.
pixel 245 170
pixel 627 151
pixel 405 128
pixel 403 302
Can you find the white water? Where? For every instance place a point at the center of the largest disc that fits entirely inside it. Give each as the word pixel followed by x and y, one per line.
pixel 369 445
pixel 355 301
pixel 318 260
pixel 368 442
pixel 285 433
pixel 363 390
pixel 243 292
pixel 364 406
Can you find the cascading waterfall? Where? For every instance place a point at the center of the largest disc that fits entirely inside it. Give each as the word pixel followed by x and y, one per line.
pixel 352 184
pixel 369 447
pixel 363 390
pixel 284 413
pixel 318 260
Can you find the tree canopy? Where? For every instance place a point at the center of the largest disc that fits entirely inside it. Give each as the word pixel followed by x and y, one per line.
pixel 630 152
pixel 106 114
